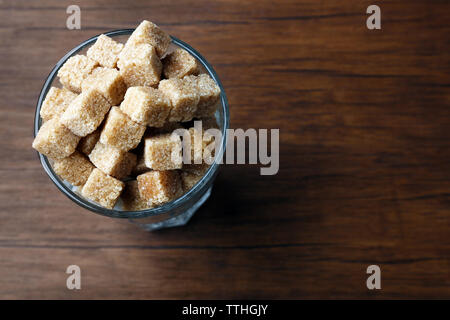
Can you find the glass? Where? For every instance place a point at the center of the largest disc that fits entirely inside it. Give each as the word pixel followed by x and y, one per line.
pixel 175 213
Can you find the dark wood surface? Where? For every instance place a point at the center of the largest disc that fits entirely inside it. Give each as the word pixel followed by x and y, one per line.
pixel 364 119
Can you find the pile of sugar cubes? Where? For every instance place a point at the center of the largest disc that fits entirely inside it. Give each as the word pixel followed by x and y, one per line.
pixel 108 129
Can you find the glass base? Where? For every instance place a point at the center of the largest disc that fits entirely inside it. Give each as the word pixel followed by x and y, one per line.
pixel 176 221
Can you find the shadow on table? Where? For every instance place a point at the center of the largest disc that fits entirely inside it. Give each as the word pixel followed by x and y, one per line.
pixel 241 195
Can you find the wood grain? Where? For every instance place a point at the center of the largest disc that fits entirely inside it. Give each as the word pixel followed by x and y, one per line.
pixel 364 174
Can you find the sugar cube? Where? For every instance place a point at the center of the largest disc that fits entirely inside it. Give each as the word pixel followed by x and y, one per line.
pixel 88 143
pixel 179 63
pixel 149 33
pixel 74 71
pixel 147 106
pixel 113 161
pixel 160 187
pixel 207 111
pixel 105 51
pixel 140 66
pixel 85 113
pixel 183 96
pixel 54 140
pixel 120 131
pixel 132 200
pixel 209 93
pixel 102 188
pixel 75 168
pixel 163 152
pixel 108 82
pixel 56 102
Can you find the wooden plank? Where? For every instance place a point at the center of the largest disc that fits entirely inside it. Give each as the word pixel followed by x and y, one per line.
pixel 364 179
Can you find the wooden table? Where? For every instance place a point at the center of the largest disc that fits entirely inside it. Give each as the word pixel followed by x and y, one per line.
pixel 364 119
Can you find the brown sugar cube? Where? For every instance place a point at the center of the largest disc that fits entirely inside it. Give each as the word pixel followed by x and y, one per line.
pixel 140 66
pixel 149 33
pixel 160 187
pixel 183 96
pixel 109 82
pixel 74 71
pixel 163 152
pixel 132 200
pixel 75 169
pixel 85 113
pixel 88 143
pixel 56 102
pixel 102 188
pixel 207 111
pixel 189 180
pixel 208 89
pixel 113 161
pixel 147 106
pixel 54 140
pixel 179 63
pixel 120 131
pixel 209 93
pixel 105 51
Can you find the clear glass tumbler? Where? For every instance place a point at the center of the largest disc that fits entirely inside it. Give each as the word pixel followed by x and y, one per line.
pixel 175 213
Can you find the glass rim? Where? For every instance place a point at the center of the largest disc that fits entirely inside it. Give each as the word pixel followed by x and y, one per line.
pixel 91 206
